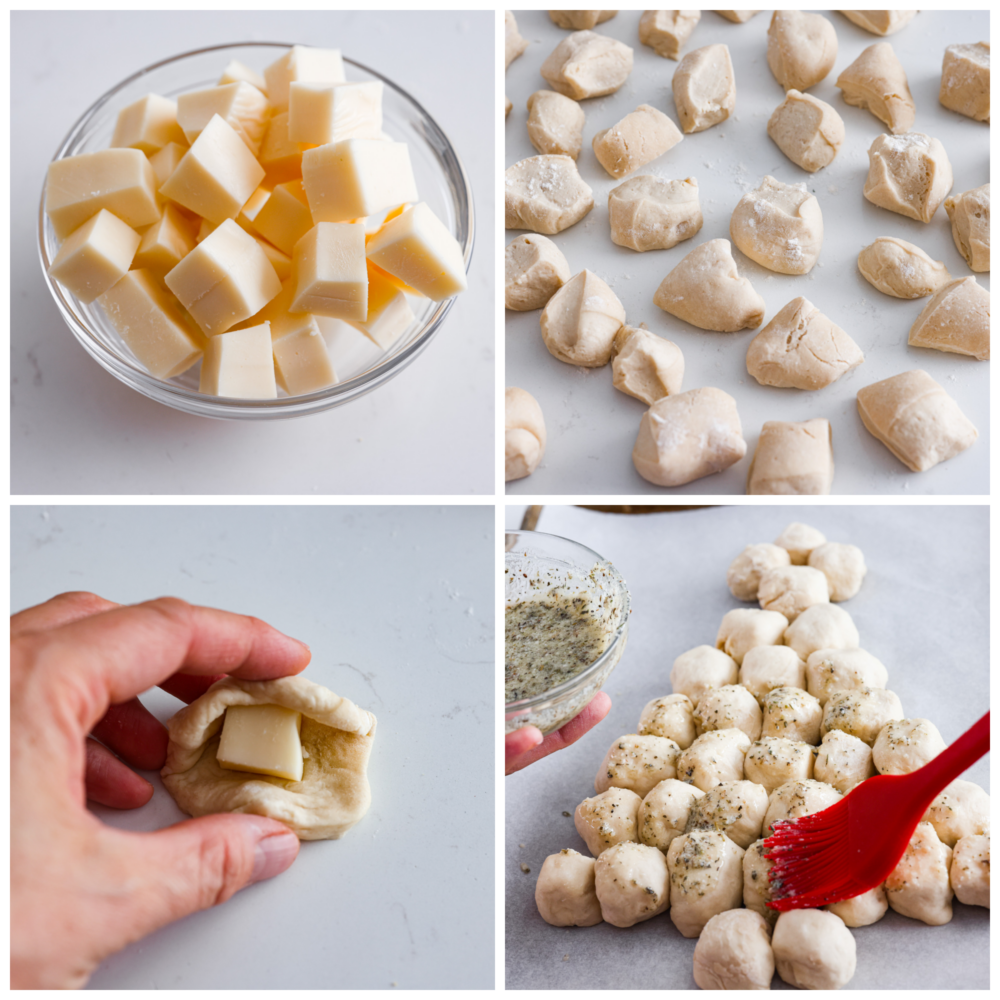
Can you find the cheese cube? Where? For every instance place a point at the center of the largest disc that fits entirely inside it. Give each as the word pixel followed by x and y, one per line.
pixel 279 156
pixel 239 364
pixel 263 739
pixel 389 314
pixel 241 105
pixel 148 320
pixel 120 180
pixel 96 256
pixel 147 125
pixel 164 161
pixel 301 360
pixel 166 243
pixel 278 313
pixel 217 174
pixel 346 180
pixel 224 279
pixel 205 229
pixel 328 265
pixel 284 219
pixel 304 64
pixel 236 71
pixel 281 262
pixel 319 113
pixel 417 247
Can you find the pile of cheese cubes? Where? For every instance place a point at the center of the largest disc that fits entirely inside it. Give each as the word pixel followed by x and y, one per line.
pixel 220 226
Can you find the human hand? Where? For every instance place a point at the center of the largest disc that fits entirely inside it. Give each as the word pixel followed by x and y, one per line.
pixel 81 890
pixel 525 746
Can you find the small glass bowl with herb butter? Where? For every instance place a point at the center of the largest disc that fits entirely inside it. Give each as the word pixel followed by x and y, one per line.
pixel 566 624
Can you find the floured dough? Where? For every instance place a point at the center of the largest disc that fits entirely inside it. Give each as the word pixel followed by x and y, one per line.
pixel 807 130
pixel 580 321
pixel 877 82
pixel 337 737
pixel 801 48
pixel 792 459
pixel 965 80
pixel 909 174
pixel 514 44
pixel 737 16
pixel 970 225
pixel 791 589
pixel 704 88
pixel 555 124
pixel 524 434
pixel 577 19
pixel 901 269
pixel 880 22
pixel 743 575
pixel 586 64
pixel 646 366
pixel 545 194
pixel 666 31
pixel 640 137
pixel 649 213
pixel 534 270
pixel 957 319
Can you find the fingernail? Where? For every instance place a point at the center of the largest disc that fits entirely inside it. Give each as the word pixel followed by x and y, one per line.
pixel 273 855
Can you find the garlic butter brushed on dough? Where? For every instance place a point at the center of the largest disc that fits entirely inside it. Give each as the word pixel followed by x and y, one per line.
pixel 333 794
pixel 901 269
pixel 780 226
pixel 545 194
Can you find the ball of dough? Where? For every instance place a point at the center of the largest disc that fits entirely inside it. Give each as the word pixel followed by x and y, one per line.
pixel 714 757
pixel 701 670
pixel 901 269
pixel 970 870
pixel 864 910
pixel 904 745
pixel 796 799
pixel 580 19
pixel 534 270
pixel 743 575
pixel 545 194
pixel 665 811
pixel 670 716
pixel 514 44
pixel 813 950
pixel 524 433
pixel 807 130
pixel 667 31
pixel 861 713
pixel 823 626
pixel 963 808
pixel 706 878
pixel 735 808
pixel 757 882
pixel 565 893
pixel 555 124
pixel 793 714
pixel 638 763
pixel 765 668
pixel 650 213
pixel 842 565
pixel 734 953
pixel 645 366
pixel 580 321
pixel 877 82
pixel 587 64
pixel 799 540
pixel 773 760
pixel 908 174
pixel 729 707
pixel 632 884
pixel 832 670
pixel 843 761
pixel 791 589
pixel 920 885
pixel 744 629
pixel 608 819
pixel 801 48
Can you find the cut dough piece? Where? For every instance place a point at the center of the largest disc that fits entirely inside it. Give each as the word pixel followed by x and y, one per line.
pixel 706 290
pixel 704 88
pixel 801 348
pixel 685 437
pixel 807 130
pixel 965 80
pixel 792 459
pixel 514 44
pixel 565 894
pixel 915 419
pixel 524 433
pixel 555 123
pixel 545 194
pixel 780 226
pixel 843 566
pixel 666 31
pixel 901 269
pixel 534 270
pixel 909 174
pixel 640 137
pixel 801 48
pixel 646 366
pixel 880 22
pixel 649 213
pixel 970 225
pixel 336 736
pixel 957 319
pixel 577 19
pixel 799 540
pixel 737 16
pixel 580 321
pixel 877 82
pixel 586 64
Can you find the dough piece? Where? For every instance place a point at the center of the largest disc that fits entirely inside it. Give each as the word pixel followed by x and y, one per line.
pixel 765 668
pixel 638 763
pixel 901 269
pixel 774 761
pixel 706 290
pixel 704 88
pixel 956 320
pixel 861 713
pixel 578 19
pixel 970 225
pixel 920 885
pixel 796 799
pixel 514 44
pixel 823 626
pixel 961 810
pixel 792 589
pixel 640 137
pixel 701 670
pixel 904 745
pixel 649 213
pixel 632 884
pixel 880 22
pixel 507 106
pixel 565 893
pixel 843 761
pixel 737 16
pixel 832 670
pixel 586 64
pixel 863 910
pixel 780 226
pixel 685 437
pixel 843 566
pixel 706 878
pixel 965 80
pixel 757 882
pixel 664 812
pixel 713 758
pixel 876 81
pixel 970 870
pixel 915 419
pixel 336 735
pixel 800 540
pixel 813 950
pixel 666 32
pixel 646 366
pixel 545 194
pixel 792 458
pixel 729 707
pixel 792 714
pixel 743 629
pixel 743 575
pixel 734 953
pixel 608 819
pixel 807 130
pixel 524 433
pixel 801 48
pixel 555 123
pixel 735 808
pixel 909 174
pixel 534 270
pixel 670 716
pixel 580 321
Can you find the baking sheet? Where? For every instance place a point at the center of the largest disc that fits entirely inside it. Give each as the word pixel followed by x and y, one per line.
pixel 923 610
pixel 591 425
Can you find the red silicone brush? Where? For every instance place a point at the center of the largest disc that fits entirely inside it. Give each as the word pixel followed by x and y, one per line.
pixel 853 845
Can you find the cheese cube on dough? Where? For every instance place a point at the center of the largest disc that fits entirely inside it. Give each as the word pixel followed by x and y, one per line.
pixel 148 124
pixel 319 113
pixel 241 105
pixel 330 274
pixel 284 218
pixel 239 364
pixel 263 739
pixel 96 256
pixel 305 64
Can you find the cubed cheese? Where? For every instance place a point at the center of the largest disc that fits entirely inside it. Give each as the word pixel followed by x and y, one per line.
pixel 147 125
pixel 95 256
pixel 319 113
pixel 302 63
pixel 328 265
pixel 239 364
pixel 241 105
pixel 262 739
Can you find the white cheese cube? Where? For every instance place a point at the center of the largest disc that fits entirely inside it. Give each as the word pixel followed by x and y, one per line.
pixel 319 113
pixel 329 270
pixel 240 105
pixel 96 256
pixel 239 364
pixel 263 739
pixel 303 63
pixel 147 124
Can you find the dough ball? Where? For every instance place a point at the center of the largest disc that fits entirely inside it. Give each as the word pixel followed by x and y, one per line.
pixel 807 130
pixel 706 878
pixel 880 22
pixel 650 213
pixel 799 540
pixel 666 31
pixel 734 953
pixel 864 910
pixel 965 80
pixel 714 757
pixel 796 799
pixel 823 626
pixel 861 713
pixel 956 320
pixel 901 269
pixel 842 565
pixel 514 44
pixel 908 174
pixel 729 707
pixel 904 745
pixel 877 82
pixel 813 950
pixel 580 321
pixel 565 893
pixel 579 19
pixel 744 629
pixel 920 885
pixel 737 16
pixel 962 809
pixel 757 882
pixel 793 714
pixel 701 670
pixel 632 884
pixel 735 808
pixel 534 270
pixel 801 48
pixel 638 763
pixel 704 88
pixel 791 589
pixel 665 811
pixel 792 458
pixel 970 870
pixel 586 64
pixel 608 819
pixel 640 137
pixel 524 433
pixel 555 124
pixel 670 716
pixel 773 760
pixel 645 366
pixel 843 761
pixel 970 225
pixel 545 194
pixel 765 668
pixel 743 575
pixel 832 670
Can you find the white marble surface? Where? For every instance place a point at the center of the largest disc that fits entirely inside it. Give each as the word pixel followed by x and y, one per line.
pixel 923 610
pixel 75 429
pixel 397 604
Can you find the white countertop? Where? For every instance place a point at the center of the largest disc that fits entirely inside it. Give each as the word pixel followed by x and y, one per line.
pixel 75 429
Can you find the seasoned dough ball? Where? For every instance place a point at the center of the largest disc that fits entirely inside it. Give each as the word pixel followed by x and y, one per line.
pixel 745 628
pixel 632 884
pixel 735 808
pixel 861 713
pixel 904 745
pixel 843 761
pixel 524 433
pixel 734 953
pixel 701 670
pixel 796 799
pixel 608 819
pixel 832 670
pixel 963 808
pixel 765 668
pixel 791 589
pixel 729 707
pixel 864 910
pixel 638 763
pixel 823 626
pixel 970 870
pixel 706 878
pixel 565 893
pixel 813 950
pixel 664 812
pixel 920 885
pixel 714 757
pixel 792 713
pixel 842 565
pixel 757 882
pixel 772 761
pixel 744 571
pixel 799 540
pixel 670 716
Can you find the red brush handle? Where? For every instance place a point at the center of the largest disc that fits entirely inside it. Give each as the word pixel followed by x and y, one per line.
pixel 962 754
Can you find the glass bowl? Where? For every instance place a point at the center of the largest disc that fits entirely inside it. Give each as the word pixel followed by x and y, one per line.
pixel 362 366
pixel 537 563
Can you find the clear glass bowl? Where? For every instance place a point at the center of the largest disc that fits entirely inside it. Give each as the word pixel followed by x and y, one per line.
pixel 535 563
pixel 361 366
